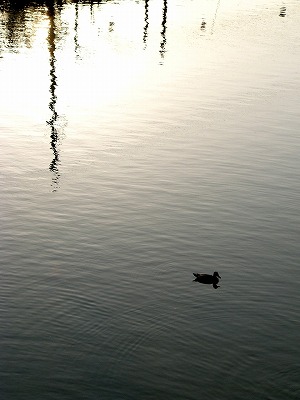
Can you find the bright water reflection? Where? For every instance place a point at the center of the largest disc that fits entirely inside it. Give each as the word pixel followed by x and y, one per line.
pixel 141 142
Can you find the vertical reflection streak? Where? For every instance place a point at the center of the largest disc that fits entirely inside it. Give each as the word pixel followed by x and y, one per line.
pixel 92 11
pixel 53 167
pixel 76 44
pixel 146 19
pixel 215 17
pixel 164 28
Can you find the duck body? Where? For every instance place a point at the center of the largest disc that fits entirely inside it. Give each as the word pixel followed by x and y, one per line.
pixel 208 279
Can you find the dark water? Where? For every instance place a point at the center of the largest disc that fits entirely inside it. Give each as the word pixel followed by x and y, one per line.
pixel 142 142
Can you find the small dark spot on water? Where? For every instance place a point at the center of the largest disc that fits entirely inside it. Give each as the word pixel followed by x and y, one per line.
pixel 282 12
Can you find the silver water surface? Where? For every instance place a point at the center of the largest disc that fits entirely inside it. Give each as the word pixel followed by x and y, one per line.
pixel 141 142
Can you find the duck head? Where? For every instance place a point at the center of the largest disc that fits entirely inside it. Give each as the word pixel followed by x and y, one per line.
pixel 216 275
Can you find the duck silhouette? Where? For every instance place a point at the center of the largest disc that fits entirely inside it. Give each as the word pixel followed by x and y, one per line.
pixel 208 279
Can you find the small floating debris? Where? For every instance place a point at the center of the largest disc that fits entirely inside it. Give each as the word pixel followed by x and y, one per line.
pixel 282 12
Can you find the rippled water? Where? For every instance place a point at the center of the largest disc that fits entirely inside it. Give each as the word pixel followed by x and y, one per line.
pixel 141 142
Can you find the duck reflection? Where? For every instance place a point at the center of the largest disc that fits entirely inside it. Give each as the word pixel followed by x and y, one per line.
pixel 208 279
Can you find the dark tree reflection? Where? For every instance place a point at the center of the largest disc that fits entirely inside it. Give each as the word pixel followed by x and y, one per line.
pixel 16 29
pixel 146 19
pixel 76 43
pixel 164 28
pixel 19 22
pixel 54 137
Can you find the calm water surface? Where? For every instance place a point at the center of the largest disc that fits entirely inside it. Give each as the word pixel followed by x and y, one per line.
pixel 142 141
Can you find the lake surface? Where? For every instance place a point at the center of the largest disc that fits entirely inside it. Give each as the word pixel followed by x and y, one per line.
pixel 142 141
